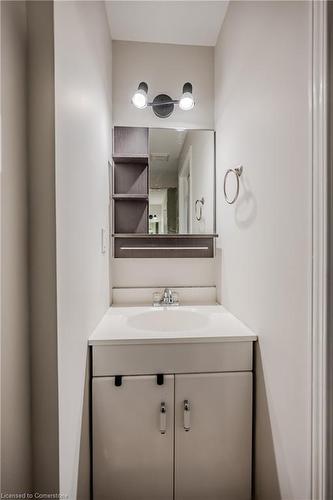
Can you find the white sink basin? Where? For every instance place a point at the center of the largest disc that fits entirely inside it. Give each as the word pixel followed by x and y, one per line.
pixel 168 320
pixel 146 324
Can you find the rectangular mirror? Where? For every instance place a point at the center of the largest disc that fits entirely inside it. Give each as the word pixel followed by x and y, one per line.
pixel 181 181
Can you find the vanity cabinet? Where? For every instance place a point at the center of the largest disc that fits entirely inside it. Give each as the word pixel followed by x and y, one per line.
pixel 132 454
pixel 185 437
pixel 213 455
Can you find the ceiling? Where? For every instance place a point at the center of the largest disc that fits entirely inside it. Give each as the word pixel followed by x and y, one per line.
pixel 180 22
pixel 166 141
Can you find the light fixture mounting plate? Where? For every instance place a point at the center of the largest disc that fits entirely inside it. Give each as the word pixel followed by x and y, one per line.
pixel 163 106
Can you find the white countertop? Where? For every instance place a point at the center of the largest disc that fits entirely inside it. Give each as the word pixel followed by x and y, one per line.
pixel 221 326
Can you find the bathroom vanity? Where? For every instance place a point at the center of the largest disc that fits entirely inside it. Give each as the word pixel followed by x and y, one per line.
pixel 171 404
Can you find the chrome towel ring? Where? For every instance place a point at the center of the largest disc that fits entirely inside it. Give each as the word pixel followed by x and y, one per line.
pixel 202 202
pixel 238 172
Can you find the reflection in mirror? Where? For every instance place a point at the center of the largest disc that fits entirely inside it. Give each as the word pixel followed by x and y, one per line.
pixel 182 176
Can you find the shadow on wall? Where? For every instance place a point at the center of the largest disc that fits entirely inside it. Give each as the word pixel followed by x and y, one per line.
pixel 83 484
pixel 246 205
pixel 267 486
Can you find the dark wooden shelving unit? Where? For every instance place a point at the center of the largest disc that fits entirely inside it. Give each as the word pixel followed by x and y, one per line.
pixel 163 245
pixel 130 180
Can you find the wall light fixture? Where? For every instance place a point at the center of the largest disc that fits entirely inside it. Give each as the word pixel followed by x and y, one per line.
pixel 162 105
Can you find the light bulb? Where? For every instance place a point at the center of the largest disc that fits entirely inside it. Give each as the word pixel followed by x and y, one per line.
pixel 140 99
pixel 186 101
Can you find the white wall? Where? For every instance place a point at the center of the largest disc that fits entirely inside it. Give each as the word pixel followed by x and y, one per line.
pixel 16 473
pixel 202 177
pixel 163 179
pixel 42 247
pixel 165 68
pixel 329 431
pixel 262 89
pixel 83 100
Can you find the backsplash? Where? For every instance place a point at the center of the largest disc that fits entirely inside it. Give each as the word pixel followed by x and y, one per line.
pixel 132 273
pixel 144 296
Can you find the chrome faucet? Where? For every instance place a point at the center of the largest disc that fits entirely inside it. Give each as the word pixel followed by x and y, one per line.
pixel 168 298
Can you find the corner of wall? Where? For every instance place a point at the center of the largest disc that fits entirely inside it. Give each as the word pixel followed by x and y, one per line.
pixel 42 254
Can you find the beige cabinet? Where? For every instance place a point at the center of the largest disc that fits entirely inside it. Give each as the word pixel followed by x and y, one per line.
pixel 133 438
pixel 213 436
pixel 187 439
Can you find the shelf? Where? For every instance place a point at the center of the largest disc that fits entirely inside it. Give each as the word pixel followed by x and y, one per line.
pixel 130 143
pixel 163 246
pixel 136 235
pixel 131 215
pixel 130 179
pixel 131 158
pixel 130 196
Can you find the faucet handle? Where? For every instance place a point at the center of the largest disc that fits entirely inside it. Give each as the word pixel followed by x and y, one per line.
pixel 168 297
pixel 174 298
pixel 156 299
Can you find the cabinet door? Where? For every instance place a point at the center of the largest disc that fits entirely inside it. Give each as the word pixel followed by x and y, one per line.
pixel 213 453
pixel 133 438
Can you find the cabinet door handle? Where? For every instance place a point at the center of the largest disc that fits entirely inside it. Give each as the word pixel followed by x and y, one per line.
pixel 163 418
pixel 187 415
